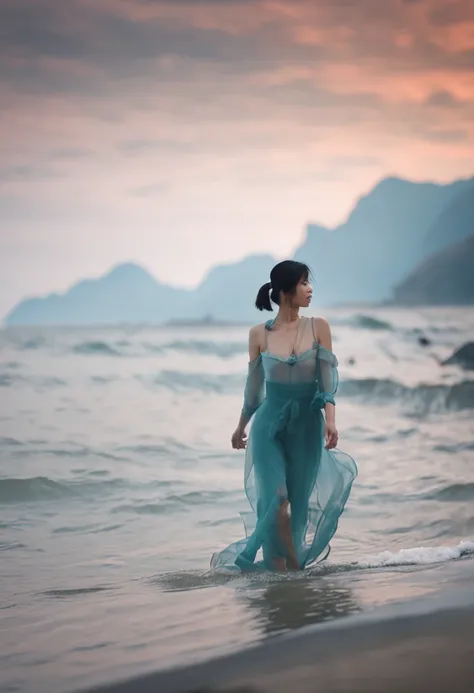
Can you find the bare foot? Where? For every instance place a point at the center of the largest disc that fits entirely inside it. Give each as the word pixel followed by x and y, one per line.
pixel 292 563
pixel 279 565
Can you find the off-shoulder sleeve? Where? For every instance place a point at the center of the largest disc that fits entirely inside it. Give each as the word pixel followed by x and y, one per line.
pixel 327 373
pixel 254 387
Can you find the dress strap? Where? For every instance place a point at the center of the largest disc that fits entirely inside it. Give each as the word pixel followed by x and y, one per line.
pixel 305 322
pixel 268 327
pixel 315 339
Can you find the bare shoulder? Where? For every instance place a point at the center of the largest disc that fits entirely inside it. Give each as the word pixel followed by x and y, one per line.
pixel 322 332
pixel 257 334
pixel 321 325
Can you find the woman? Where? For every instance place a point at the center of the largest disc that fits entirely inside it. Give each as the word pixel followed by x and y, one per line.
pixel 296 482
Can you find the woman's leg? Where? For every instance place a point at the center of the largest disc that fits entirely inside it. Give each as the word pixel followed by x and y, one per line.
pixel 273 522
pixel 286 536
pixel 304 454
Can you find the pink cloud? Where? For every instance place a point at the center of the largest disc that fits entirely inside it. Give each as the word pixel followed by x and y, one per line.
pixel 205 123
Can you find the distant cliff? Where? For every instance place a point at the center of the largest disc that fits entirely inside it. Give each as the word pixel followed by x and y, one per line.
pixel 445 278
pixel 130 294
pixel 454 224
pixel 390 231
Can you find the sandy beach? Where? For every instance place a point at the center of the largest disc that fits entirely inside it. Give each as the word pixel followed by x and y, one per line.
pixel 421 645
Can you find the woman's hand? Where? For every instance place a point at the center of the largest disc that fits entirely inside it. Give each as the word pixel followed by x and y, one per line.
pixel 331 435
pixel 239 439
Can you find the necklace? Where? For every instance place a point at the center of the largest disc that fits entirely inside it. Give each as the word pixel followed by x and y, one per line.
pixel 295 341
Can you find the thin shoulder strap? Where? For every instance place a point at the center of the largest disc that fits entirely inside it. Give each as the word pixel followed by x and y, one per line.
pixel 306 322
pixel 313 326
pixel 268 327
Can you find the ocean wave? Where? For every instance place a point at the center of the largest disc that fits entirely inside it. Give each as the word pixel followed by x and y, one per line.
pixel 123 348
pixel 192 579
pixel 182 381
pixel 418 556
pixel 32 344
pixel 201 497
pixel 207 348
pixel 455 447
pixel 431 530
pixel 220 521
pixel 96 348
pixel 143 508
pixel 32 489
pixel 41 488
pixel 77 592
pixel 10 442
pixel 174 502
pixel 155 449
pixel 11 545
pixel 368 322
pixel 459 492
pixel 94 528
pixel 453 492
pixel 80 451
pixel 104 379
pixel 393 435
pixel 44 382
pixel 49 381
pixel 422 398
pixel 363 322
pixel 8 379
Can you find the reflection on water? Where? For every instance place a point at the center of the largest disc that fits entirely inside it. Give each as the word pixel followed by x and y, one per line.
pixel 289 604
pixel 282 603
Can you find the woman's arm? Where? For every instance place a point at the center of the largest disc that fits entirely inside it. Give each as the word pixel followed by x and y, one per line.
pixel 323 332
pixel 254 342
pixel 253 394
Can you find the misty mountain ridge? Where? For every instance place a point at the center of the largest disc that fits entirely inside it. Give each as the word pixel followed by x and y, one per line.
pixel 444 278
pixel 385 237
pixel 389 232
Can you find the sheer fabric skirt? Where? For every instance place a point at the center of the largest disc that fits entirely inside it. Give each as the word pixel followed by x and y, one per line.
pixel 286 460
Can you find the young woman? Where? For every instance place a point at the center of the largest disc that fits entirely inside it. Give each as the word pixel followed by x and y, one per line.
pixel 296 482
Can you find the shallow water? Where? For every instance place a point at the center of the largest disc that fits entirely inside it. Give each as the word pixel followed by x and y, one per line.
pixel 117 483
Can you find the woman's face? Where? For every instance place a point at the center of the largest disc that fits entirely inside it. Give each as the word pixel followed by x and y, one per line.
pixel 303 294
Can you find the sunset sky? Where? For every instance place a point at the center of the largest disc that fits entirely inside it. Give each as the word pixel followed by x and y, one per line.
pixel 185 133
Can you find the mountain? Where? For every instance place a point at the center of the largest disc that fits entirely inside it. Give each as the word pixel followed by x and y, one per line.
pixel 390 231
pixel 230 290
pixel 128 293
pixel 386 235
pixel 445 278
pixel 455 223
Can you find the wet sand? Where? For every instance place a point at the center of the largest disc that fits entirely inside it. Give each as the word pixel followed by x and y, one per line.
pixel 421 645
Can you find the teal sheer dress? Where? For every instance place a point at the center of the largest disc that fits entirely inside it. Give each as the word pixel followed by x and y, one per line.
pixel 286 460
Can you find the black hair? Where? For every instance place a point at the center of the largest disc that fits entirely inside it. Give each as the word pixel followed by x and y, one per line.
pixel 284 277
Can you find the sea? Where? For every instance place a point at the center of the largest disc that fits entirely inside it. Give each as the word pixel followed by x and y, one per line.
pixel 118 482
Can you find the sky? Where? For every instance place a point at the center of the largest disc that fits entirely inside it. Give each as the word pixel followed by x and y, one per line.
pixel 184 133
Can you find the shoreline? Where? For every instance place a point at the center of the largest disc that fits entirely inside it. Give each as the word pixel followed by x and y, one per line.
pixel 425 644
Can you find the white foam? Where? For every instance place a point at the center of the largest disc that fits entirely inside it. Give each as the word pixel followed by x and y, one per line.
pixel 418 556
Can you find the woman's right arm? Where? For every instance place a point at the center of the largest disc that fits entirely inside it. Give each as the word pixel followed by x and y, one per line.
pixel 254 388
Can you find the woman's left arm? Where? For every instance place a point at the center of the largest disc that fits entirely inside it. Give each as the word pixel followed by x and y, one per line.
pixel 331 435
